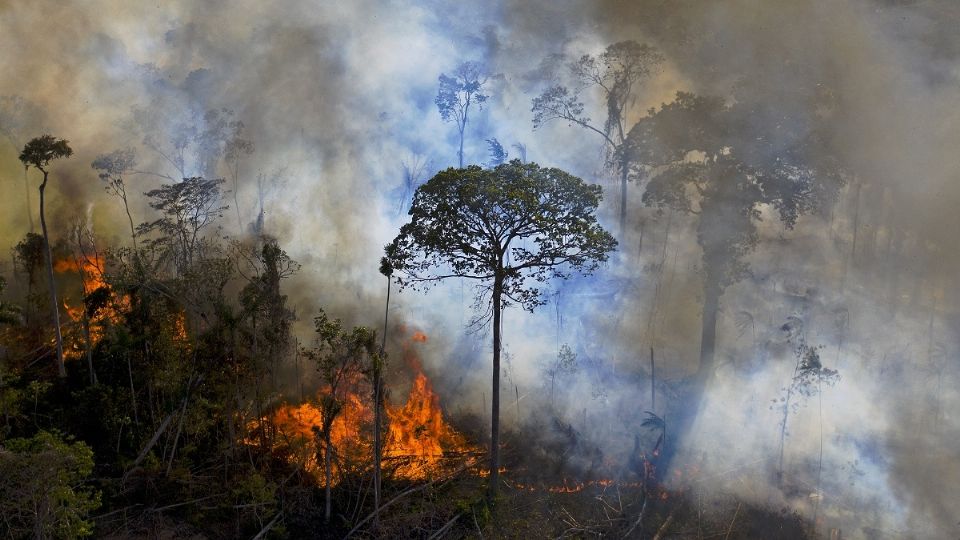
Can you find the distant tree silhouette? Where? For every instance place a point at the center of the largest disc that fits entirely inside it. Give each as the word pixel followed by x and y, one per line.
pixel 497 153
pixel 734 174
pixel 457 93
pixel 112 168
pixel 17 115
pixel 616 73
pixel 188 207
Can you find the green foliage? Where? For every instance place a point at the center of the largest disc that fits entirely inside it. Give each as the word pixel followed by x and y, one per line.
pixel 514 222
pixel 41 150
pixel 11 405
pixel 338 355
pixel 42 492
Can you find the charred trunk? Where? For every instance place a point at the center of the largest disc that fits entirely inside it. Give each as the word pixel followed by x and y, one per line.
pixel 495 397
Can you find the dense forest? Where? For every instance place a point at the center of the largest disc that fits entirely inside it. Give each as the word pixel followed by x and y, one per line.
pixel 586 269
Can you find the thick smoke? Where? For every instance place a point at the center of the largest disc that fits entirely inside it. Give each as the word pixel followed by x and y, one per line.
pixel 337 97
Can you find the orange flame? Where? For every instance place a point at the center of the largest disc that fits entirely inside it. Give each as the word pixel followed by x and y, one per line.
pixel 298 428
pixel 418 435
pixel 416 443
pixel 91 273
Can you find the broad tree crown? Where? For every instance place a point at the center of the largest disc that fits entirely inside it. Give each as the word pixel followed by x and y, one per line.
pixel 506 224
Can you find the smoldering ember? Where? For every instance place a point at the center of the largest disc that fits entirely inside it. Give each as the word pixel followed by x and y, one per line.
pixel 514 269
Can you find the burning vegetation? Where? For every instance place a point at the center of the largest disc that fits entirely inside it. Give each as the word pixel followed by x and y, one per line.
pixel 418 443
pixel 726 316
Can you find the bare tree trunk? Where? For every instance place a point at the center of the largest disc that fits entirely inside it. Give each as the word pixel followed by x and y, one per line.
pixel 54 305
pixel 783 432
pixel 26 185
pixel 624 173
pixel 89 347
pixel 653 382
pixel 378 411
pixel 696 386
pixel 708 331
pixel 133 392
pixel 495 397
pixel 133 230
pixel 856 229
pixel 460 152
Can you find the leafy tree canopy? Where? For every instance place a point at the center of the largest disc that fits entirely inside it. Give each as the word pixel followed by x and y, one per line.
pixel 40 151
pixel 512 222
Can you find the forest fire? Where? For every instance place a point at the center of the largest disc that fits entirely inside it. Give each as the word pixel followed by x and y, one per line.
pixel 416 442
pixel 298 429
pixel 418 436
pixel 92 312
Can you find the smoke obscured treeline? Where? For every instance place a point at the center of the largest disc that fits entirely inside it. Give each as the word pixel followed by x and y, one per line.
pixel 299 132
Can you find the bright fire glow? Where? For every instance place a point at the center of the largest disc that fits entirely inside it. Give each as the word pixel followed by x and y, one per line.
pixel 416 442
pixel 91 272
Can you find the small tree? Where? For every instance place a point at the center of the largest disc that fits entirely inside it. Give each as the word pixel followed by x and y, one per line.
pixel 809 375
pixel 339 356
pixel 10 314
pixel 735 174
pixel 457 93
pixel 564 364
pixel 39 152
pixel 497 154
pixel 504 227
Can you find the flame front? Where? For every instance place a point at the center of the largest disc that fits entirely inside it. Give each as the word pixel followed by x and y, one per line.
pixel 416 442
pixel 298 428
pixel 418 436
pixel 91 272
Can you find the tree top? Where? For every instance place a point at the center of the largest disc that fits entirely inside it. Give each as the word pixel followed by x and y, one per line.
pixel 41 150
pixel 512 222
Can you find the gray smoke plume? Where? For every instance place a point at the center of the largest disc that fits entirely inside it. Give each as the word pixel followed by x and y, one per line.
pixel 336 97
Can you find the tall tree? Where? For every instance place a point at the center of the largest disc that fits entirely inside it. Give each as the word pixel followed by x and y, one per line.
pixel 457 93
pixel 39 152
pixel 616 74
pixel 706 159
pixel 512 228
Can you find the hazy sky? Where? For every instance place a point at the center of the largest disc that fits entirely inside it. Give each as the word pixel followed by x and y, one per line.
pixel 337 95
